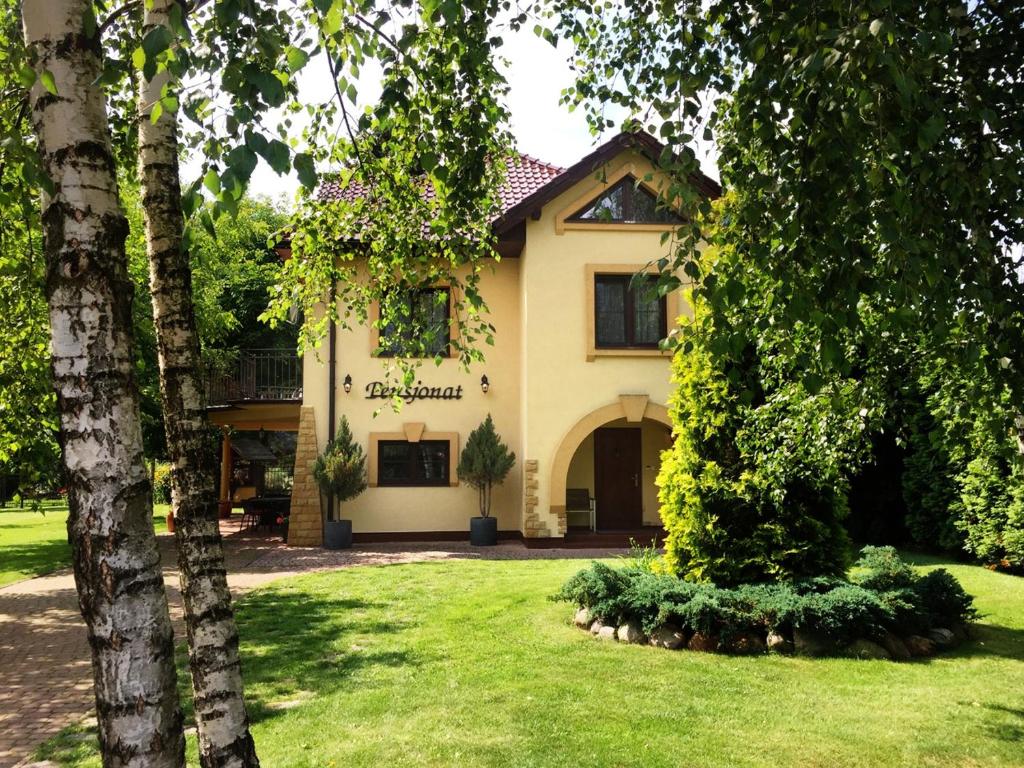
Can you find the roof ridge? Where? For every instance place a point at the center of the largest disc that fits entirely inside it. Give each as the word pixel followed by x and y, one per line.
pixel 538 161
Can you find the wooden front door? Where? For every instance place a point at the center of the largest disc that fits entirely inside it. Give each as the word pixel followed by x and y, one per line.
pixel 617 474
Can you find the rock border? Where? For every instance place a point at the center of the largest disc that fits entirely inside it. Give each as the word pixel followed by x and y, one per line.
pixel 801 642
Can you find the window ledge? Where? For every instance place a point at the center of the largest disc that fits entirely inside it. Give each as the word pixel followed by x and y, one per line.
pixel 594 353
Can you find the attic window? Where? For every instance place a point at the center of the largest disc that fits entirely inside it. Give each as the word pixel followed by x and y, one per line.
pixel 627 203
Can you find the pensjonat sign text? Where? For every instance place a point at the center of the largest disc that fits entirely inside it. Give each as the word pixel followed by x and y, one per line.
pixel 377 390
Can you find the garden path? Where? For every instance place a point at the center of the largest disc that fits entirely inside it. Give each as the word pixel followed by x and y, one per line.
pixel 45 675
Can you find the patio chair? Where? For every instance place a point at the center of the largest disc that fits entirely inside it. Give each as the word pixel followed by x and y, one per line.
pixel 581 505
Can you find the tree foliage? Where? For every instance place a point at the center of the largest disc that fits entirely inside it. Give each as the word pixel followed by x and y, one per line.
pixel 876 149
pixel 421 168
pixel 754 486
pixel 875 155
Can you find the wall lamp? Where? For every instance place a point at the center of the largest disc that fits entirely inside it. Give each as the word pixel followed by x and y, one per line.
pixel 484 383
pixel 347 384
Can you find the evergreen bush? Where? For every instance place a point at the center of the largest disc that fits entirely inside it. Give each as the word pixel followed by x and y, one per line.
pixel 485 462
pixel 964 478
pixel 885 594
pixel 341 469
pixel 754 486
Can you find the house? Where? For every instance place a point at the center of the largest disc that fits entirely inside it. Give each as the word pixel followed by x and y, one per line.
pixel 575 381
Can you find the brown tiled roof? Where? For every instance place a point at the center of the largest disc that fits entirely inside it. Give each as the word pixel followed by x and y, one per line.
pixel 530 183
pixel 524 176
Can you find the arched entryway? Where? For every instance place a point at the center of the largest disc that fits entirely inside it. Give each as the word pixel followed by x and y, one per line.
pixel 611 457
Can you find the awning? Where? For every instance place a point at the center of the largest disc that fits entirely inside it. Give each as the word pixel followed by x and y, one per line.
pixel 251 449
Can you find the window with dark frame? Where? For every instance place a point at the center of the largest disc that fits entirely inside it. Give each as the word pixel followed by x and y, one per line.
pixel 401 463
pixel 627 203
pixel 628 316
pixel 423 327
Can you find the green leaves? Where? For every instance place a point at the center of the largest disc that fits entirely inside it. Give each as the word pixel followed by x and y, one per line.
pixel 46 78
pixel 296 58
pixel 212 181
pixel 303 164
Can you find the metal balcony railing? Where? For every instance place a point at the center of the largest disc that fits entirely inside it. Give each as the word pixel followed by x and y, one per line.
pixel 260 374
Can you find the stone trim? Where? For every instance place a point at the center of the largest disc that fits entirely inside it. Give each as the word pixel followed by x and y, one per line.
pixel 533 527
pixel 305 525
pixel 624 408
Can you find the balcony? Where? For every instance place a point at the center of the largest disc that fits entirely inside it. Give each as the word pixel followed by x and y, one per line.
pixel 260 375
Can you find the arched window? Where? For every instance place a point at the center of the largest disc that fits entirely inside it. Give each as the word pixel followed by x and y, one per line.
pixel 627 203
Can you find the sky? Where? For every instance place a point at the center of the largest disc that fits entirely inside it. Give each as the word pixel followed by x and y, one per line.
pixel 542 127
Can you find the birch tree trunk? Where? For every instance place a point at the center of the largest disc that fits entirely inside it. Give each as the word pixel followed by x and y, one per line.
pixel 221 720
pixel 116 560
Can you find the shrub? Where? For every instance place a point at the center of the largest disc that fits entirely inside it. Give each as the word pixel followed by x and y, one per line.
pixel 889 596
pixel 942 600
pixel 964 478
pixel 485 462
pixel 992 509
pixel 882 570
pixel 770 607
pixel 929 484
pixel 162 483
pixel 601 589
pixel 341 469
pixel 754 486
pixel 843 614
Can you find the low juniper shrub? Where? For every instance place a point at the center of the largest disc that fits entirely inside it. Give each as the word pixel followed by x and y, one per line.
pixel 844 614
pixel 881 569
pixel 883 594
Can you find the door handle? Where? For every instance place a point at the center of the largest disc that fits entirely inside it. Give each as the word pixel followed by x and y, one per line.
pixel 636 480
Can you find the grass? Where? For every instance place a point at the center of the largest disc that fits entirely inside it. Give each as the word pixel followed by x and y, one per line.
pixel 33 543
pixel 467 663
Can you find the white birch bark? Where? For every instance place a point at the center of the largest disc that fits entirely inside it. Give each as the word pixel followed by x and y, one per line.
pixel 116 560
pixel 221 720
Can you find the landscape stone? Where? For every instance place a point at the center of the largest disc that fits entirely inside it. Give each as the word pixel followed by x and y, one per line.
pixel 606 632
pixel 920 646
pixel 702 641
pixel 583 619
pixel 962 632
pixel 865 649
pixel 778 643
pixel 897 649
pixel 629 632
pixel 809 643
pixel 667 636
pixel 943 638
pixel 747 643
pixel 596 627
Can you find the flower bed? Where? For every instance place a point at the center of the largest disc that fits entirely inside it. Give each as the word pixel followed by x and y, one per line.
pixel 884 610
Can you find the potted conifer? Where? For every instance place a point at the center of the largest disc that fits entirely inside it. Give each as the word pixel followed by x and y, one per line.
pixel 340 471
pixel 484 463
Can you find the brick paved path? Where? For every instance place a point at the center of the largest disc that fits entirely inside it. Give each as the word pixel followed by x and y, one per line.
pixel 45 674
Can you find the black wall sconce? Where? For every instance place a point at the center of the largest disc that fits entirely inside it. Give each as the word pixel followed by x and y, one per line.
pixel 347 384
pixel 484 383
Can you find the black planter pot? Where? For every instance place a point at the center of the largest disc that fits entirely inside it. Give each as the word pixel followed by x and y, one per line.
pixel 338 534
pixel 483 531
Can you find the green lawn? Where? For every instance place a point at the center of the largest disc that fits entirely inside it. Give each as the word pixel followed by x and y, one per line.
pixel 466 663
pixel 33 543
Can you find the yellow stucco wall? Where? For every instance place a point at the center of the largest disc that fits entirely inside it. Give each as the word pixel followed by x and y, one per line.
pixel 431 509
pixel 555 330
pixel 542 379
